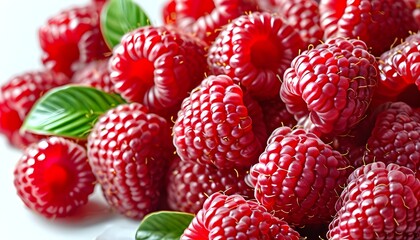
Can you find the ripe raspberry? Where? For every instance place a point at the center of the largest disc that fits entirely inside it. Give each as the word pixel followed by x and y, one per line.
pixel 378 23
pixel 255 50
pixel 379 202
pixel 168 12
pixel 400 73
pixel 329 88
pixel 53 177
pixel 157 66
pixel 299 177
pixel 395 137
pixel 214 126
pixel 189 184
pixel 303 16
pixel 276 115
pixel 128 149
pixel 17 96
pixel 206 18
pixel 95 74
pixel 72 38
pixel 233 217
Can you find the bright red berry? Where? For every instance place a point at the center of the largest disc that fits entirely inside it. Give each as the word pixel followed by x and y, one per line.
pixel 329 88
pixel 379 202
pixel 169 12
pixel 233 217
pixel 72 38
pixel 299 177
pixel 53 177
pixel 128 150
pixel 214 126
pixel 255 50
pixel 95 74
pixel 18 95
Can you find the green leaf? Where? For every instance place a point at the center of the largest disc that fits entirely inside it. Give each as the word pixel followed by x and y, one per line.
pixel 119 17
pixel 69 111
pixel 165 225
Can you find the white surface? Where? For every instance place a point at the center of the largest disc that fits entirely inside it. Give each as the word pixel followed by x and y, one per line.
pixel 20 52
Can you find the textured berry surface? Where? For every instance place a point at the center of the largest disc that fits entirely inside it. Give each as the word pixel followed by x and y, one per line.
pixel 127 150
pixel 72 38
pixel 18 95
pixel 255 50
pixel 160 70
pixel 214 126
pixel 233 217
pixel 329 88
pixel 367 20
pixel 299 177
pixel 189 184
pixel 53 177
pixel 95 74
pixel 380 202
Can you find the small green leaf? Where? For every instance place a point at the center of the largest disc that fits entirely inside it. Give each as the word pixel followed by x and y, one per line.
pixel 119 17
pixel 69 111
pixel 164 225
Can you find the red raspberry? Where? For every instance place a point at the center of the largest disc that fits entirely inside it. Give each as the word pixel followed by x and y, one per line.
pixel 71 39
pixel 168 12
pixel 255 50
pixel 299 177
pixel 303 15
pixel 400 73
pixel 158 66
pixel 189 184
pixel 128 149
pixel 53 177
pixel 379 23
pixel 379 202
pixel 214 126
pixel 17 96
pixel 329 88
pixel 95 74
pixel 206 18
pixel 395 137
pixel 276 115
pixel 233 217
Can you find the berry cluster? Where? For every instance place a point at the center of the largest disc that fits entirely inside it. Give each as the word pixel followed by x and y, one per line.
pixel 266 119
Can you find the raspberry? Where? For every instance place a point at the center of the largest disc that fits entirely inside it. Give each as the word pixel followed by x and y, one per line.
pixel 168 12
pixel 157 66
pixel 380 202
pixel 395 137
pixel 128 149
pixel 329 88
pixel 214 126
pixel 206 18
pixel 400 73
pixel 233 217
pixel 95 74
pixel 189 184
pixel 17 96
pixel 276 115
pixel 379 23
pixel 299 177
pixel 53 177
pixel 254 50
pixel 72 38
pixel 303 15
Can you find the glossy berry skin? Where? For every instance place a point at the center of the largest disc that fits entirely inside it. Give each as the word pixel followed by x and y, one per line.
pixel 95 74
pixel 255 50
pixel 379 23
pixel 400 73
pixel 189 184
pixel 299 177
pixel 233 217
pixel 157 66
pixel 71 38
pixel 53 177
pixel 329 88
pixel 214 126
pixel 17 96
pixel 128 150
pixel 379 202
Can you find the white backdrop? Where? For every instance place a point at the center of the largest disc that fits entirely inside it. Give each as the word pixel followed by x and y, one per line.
pixel 20 52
